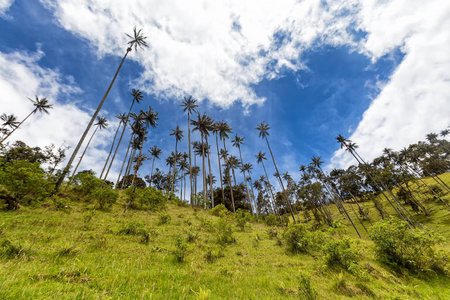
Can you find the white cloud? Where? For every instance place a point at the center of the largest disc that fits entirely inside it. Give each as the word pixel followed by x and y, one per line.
pixel 4 6
pixel 20 78
pixel 416 100
pixel 214 50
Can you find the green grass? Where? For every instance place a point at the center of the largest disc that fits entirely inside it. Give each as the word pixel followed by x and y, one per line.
pixel 79 253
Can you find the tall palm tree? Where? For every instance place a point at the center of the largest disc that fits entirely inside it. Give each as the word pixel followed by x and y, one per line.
pixel 178 133
pixel 263 129
pixel 102 123
pixel 137 40
pixel 216 130
pixel 155 152
pixel 204 125
pixel 247 167
pixel 189 106
pixel 224 130
pixel 122 118
pixel 8 121
pixel 237 142
pixel 137 97
pixel 260 157
pixel 40 105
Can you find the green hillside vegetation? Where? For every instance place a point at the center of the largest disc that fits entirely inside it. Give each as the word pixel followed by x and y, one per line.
pixel 66 247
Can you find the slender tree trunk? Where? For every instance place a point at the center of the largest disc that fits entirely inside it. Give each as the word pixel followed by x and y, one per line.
pixel 174 165
pixel 151 174
pixel 220 168
pixel 210 176
pixel 245 179
pixel 274 205
pixel 110 151
pixel 124 159
pixel 120 140
pixel 75 152
pixel 82 155
pixel 190 164
pixel 229 176
pixel 204 172
pixel 281 181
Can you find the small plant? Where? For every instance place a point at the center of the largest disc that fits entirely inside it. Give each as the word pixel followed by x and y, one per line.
pixel 164 219
pixel 306 290
pixel 256 240
pixel 180 251
pixel 212 255
pixel 219 211
pixel 11 250
pixel 132 228
pixel 60 203
pixel 89 215
pixel 272 233
pixel 191 236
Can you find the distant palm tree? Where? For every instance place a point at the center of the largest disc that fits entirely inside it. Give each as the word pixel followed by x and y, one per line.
pixel 263 129
pixel 260 157
pixel 137 97
pixel 102 123
pixel 216 130
pixel 8 121
pixel 178 133
pixel 155 152
pixel 40 105
pixel 237 142
pixel 445 132
pixel 189 106
pixel 122 118
pixel 224 130
pixel 137 40
pixel 204 125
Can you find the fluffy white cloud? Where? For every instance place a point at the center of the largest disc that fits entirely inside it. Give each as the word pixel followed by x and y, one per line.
pixel 416 100
pixel 21 78
pixel 4 6
pixel 213 50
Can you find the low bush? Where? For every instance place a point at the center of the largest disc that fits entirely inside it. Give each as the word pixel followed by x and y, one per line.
pixel 146 198
pixel 340 253
pixel 88 188
pixel 219 211
pixel 298 238
pixel 271 220
pixel 164 219
pixel 413 249
pixel 181 250
pixel 225 234
pixel 306 290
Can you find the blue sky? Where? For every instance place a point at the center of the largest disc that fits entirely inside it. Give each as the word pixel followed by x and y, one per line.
pixel 374 72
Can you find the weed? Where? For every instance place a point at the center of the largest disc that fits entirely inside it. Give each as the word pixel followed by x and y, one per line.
pixel 339 253
pixel 180 251
pixel 11 250
pixel 164 219
pixel 225 233
pixel 212 255
pixel 306 290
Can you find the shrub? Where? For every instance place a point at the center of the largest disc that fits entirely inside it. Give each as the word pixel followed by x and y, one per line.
pixel 298 238
pixel 132 228
pixel 413 249
pixel 212 255
pixel 306 290
pixel 271 220
pixel 146 199
pixel 219 211
pixel 164 219
pixel 91 189
pixel 339 253
pixel 104 196
pixel 180 251
pixel 225 232
pixel 23 182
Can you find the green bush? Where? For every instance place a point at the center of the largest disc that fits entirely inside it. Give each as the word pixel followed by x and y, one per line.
pixel 104 196
pixel 225 233
pixel 340 253
pixel 146 198
pixel 298 238
pixel 181 250
pixel 89 188
pixel 306 290
pixel 271 220
pixel 23 183
pixel 413 249
pixel 164 219
pixel 219 211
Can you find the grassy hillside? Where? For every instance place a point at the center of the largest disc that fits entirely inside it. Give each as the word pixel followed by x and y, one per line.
pixel 76 252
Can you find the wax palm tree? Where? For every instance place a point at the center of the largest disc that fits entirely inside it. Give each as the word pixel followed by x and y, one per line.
pixel 204 125
pixel 102 123
pixel 155 152
pixel 237 142
pixel 178 134
pixel 444 133
pixel 40 105
pixel 216 130
pixel 137 97
pixel 260 157
pixel 189 106
pixel 137 40
pixel 9 120
pixel 122 118
pixel 224 130
pixel 263 129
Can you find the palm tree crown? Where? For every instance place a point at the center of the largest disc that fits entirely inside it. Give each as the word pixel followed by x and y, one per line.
pixel 137 40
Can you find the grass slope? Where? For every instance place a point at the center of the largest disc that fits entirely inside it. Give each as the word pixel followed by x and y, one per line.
pixel 79 253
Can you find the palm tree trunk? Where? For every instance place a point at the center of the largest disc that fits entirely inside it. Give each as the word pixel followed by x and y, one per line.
pixel 190 164
pixel 210 176
pixel 229 178
pixel 245 179
pixel 151 174
pixel 82 155
pixel 80 142
pixel 174 166
pixel 204 173
pixel 125 159
pixel 281 181
pixel 110 151
pixel 220 168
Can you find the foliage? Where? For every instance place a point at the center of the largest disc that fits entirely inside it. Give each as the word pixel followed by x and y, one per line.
pixel 400 246
pixel 298 238
pixel 164 219
pixel 340 253
pixel 219 211
pixel 146 199
pixel 306 289
pixel 225 234
pixel 91 189
pixel 128 179
pixel 10 250
pixel 24 182
pixel 271 220
pixel 181 250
